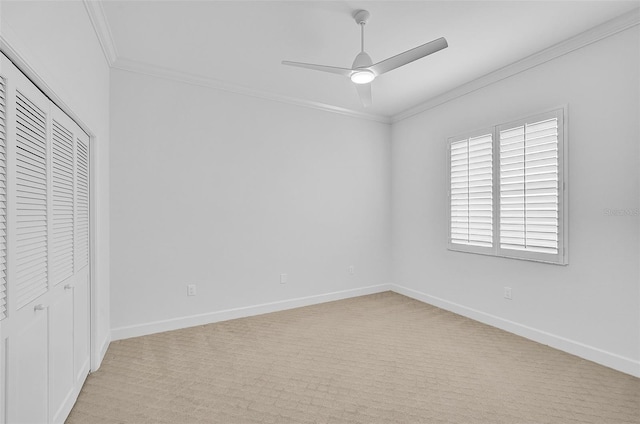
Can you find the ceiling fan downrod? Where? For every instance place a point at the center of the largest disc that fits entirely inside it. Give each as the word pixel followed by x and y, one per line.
pixel 361 17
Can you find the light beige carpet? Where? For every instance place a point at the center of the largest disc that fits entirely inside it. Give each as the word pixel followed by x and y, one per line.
pixel 382 358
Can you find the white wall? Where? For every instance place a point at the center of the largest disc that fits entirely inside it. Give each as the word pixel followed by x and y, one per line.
pixel 591 306
pixel 57 40
pixel 228 191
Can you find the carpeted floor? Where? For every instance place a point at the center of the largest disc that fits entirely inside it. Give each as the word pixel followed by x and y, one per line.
pixel 382 358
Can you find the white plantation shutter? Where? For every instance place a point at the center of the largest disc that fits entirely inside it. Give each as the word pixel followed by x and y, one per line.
pixel 3 200
pixel 459 197
pixel 31 201
pixel 471 192
pixel 531 187
pixel 82 205
pixel 528 209
pixel 62 203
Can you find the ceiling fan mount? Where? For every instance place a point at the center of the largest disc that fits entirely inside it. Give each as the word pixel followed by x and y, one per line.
pixel 364 71
pixel 361 16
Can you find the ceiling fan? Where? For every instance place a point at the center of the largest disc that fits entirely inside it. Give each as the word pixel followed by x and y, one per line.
pixel 363 70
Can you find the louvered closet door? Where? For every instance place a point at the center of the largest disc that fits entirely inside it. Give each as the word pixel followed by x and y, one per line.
pixel 82 202
pixel 62 199
pixel 81 261
pixel 3 237
pixel 25 330
pixel 3 200
pixel 31 200
pixel 44 193
pixel 61 232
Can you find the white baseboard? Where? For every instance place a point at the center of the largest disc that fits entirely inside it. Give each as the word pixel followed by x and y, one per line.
pixel 65 409
pixel 246 311
pixel 602 357
pixel 99 355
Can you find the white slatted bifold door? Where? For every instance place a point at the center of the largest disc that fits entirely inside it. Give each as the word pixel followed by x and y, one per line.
pixel 471 192
pixel 25 330
pixel 44 254
pixel 31 201
pixel 82 205
pixel 3 200
pixel 63 202
pixel 530 213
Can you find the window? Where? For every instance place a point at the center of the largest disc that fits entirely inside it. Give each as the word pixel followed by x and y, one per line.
pixel 507 193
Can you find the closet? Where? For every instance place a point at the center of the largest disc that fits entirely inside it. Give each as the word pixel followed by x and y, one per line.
pixel 44 254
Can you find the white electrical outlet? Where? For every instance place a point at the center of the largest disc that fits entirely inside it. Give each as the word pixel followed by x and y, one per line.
pixel 283 278
pixel 191 289
pixel 351 269
pixel 507 293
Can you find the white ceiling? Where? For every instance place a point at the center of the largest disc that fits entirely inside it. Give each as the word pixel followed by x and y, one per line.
pixel 242 43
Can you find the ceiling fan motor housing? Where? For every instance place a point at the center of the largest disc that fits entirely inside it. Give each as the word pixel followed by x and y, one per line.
pixel 362 60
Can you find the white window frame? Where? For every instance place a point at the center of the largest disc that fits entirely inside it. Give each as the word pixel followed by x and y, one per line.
pixel 561 258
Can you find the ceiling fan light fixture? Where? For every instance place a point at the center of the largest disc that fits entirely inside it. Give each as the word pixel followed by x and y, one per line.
pixel 362 76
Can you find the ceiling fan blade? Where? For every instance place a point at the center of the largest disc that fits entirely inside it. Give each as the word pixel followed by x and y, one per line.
pixel 364 92
pixel 409 56
pixel 332 69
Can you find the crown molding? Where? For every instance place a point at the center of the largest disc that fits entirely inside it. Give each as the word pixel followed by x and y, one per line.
pixel 583 39
pixel 597 33
pixel 198 80
pixel 101 27
pixel 14 49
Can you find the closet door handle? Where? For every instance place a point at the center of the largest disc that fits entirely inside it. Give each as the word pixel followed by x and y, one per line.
pixel 68 287
pixel 39 307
